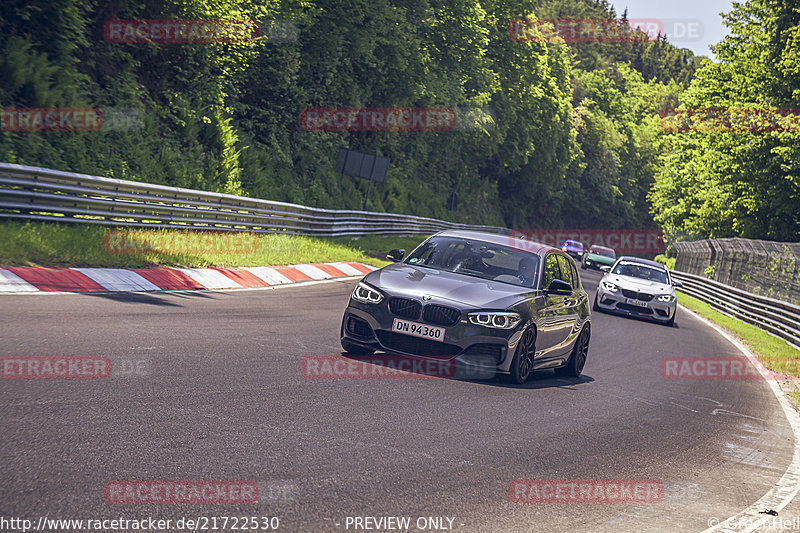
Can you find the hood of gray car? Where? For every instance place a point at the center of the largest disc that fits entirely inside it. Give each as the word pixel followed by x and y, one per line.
pixel 639 284
pixel 467 291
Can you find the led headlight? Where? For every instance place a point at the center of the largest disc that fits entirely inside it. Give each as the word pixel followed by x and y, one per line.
pixel 607 285
pixel 499 320
pixel 365 293
pixel 664 298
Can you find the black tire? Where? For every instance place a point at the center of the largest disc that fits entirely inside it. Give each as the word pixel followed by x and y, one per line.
pixel 356 349
pixel 522 364
pixel 595 307
pixel 577 359
pixel 583 266
pixel 671 322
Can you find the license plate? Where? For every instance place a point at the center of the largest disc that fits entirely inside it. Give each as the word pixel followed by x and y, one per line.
pixel 638 303
pixel 418 330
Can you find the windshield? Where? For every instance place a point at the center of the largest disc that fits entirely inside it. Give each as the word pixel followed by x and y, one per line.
pixel 599 250
pixel 641 271
pixel 478 259
pixel 574 244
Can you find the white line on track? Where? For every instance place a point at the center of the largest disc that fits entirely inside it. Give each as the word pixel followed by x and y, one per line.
pixel 752 518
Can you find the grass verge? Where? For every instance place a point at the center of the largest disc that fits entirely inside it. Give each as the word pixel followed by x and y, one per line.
pixel 45 244
pixel 773 352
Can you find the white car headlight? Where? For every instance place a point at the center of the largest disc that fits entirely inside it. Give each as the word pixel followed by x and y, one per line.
pixel 365 293
pixel 607 285
pixel 499 320
pixel 665 298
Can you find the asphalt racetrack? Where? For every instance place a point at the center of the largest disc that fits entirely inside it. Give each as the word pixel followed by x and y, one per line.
pixel 208 386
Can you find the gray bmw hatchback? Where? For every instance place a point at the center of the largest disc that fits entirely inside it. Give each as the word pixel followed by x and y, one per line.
pixel 483 300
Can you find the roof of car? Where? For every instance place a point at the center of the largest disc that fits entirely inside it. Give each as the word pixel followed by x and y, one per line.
pixel 498 238
pixel 598 247
pixel 640 260
pixel 576 243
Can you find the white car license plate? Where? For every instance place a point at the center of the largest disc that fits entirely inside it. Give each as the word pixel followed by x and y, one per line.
pixel 635 302
pixel 418 330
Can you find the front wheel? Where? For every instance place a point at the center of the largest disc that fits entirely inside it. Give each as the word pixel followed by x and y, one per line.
pixel 356 349
pixel 595 307
pixel 577 358
pixel 671 322
pixel 522 365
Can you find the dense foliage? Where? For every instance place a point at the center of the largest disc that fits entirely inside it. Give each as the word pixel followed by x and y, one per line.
pixel 739 183
pixel 573 140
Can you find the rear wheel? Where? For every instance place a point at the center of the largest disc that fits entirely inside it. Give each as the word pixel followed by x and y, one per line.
pixel 522 365
pixel 356 349
pixel 577 358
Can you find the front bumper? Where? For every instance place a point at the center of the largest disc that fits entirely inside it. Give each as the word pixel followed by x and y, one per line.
pixel 477 351
pixel 616 302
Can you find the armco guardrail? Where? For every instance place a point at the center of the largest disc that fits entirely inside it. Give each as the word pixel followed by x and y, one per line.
pixel 42 194
pixel 775 316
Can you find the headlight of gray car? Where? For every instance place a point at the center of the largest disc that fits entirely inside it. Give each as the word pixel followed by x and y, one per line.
pixel 607 285
pixel 499 320
pixel 665 298
pixel 365 293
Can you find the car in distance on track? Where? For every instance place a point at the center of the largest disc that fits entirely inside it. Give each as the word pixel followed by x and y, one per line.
pixel 598 256
pixel 573 248
pixel 481 300
pixel 638 287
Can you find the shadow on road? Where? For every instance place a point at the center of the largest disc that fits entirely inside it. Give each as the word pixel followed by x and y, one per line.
pixel 159 298
pixel 387 366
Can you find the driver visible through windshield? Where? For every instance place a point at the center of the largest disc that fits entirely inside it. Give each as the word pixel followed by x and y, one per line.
pixel 479 259
pixel 641 271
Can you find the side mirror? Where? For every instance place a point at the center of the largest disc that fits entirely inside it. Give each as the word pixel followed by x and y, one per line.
pixel 676 283
pixel 558 286
pixel 605 268
pixel 396 255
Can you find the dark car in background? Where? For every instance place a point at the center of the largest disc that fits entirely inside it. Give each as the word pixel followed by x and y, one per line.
pixel 598 257
pixel 479 299
pixel 573 248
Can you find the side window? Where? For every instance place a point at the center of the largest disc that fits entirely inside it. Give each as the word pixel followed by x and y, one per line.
pixel 551 270
pixel 566 271
pixel 576 281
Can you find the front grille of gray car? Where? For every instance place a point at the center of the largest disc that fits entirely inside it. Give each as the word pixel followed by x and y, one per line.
pixel 404 307
pixel 635 308
pixel 638 295
pixel 441 315
pixel 415 346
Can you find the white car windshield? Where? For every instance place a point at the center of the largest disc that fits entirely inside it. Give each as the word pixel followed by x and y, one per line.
pixel 642 271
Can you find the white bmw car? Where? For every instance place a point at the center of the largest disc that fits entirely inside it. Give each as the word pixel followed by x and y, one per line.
pixel 638 287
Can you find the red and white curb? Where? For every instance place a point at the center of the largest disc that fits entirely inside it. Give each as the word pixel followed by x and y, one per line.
pixel 29 279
